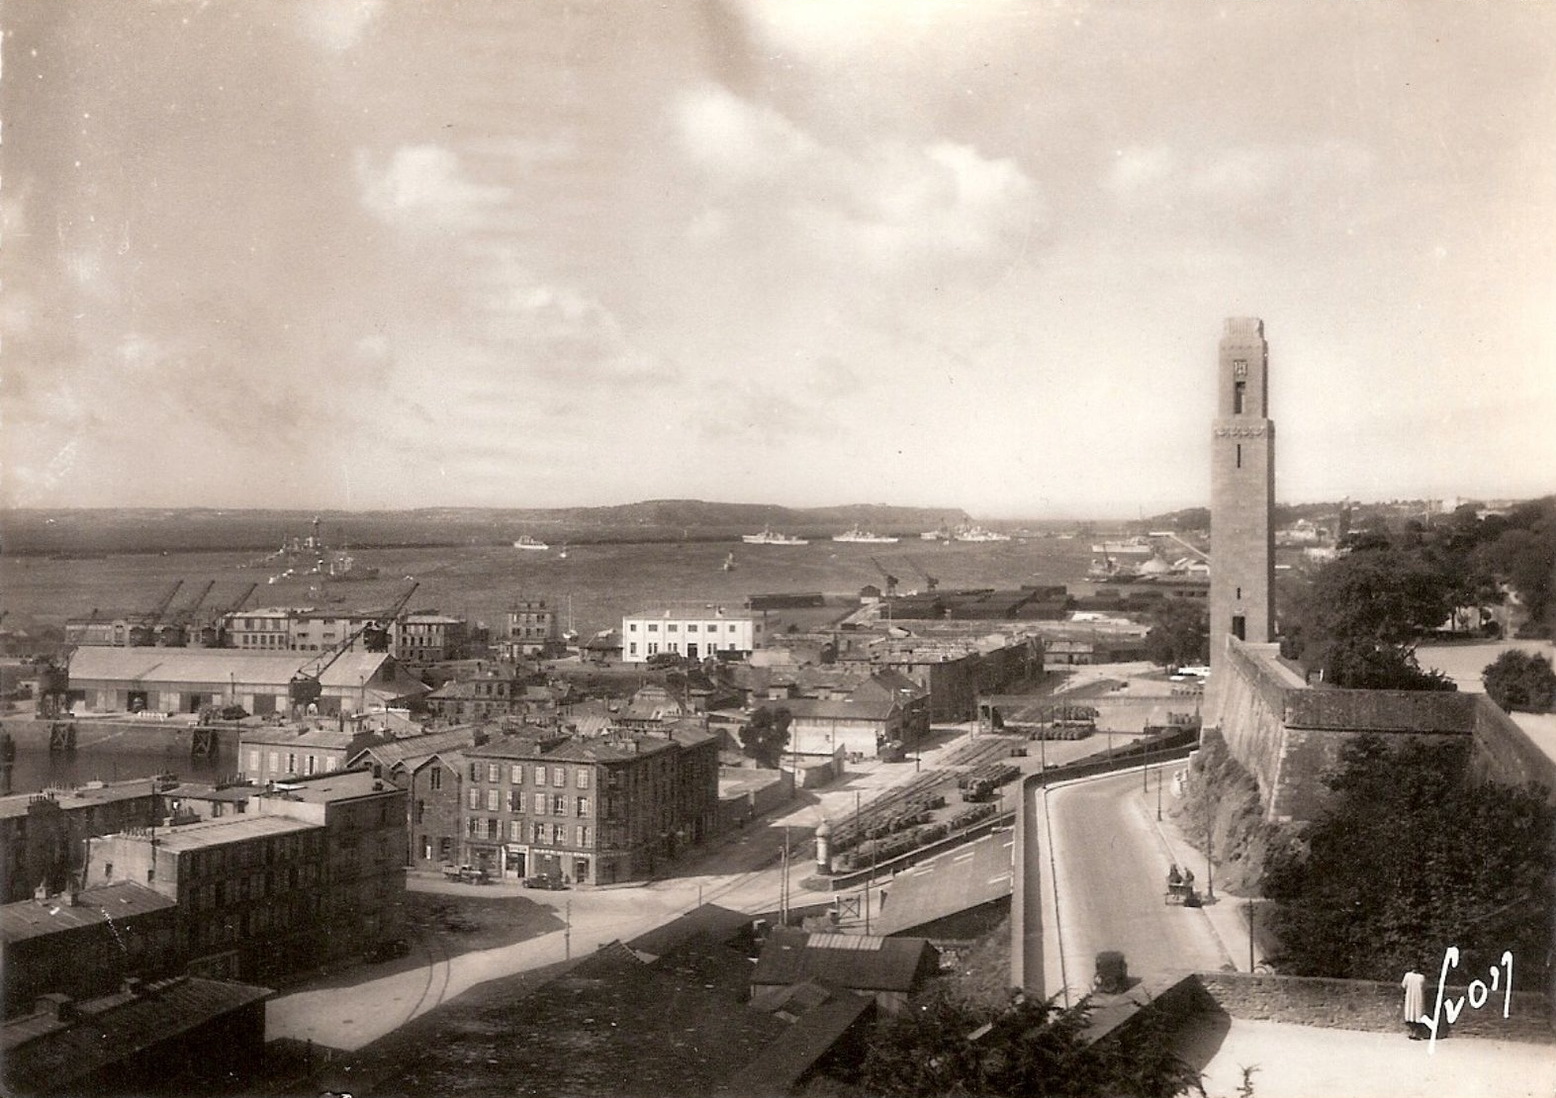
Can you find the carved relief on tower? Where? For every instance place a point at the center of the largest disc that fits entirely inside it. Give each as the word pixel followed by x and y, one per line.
pixel 1251 430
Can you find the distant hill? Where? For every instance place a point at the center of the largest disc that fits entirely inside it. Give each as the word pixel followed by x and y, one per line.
pixel 141 530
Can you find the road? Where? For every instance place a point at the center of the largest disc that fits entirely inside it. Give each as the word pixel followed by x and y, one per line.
pixel 1109 870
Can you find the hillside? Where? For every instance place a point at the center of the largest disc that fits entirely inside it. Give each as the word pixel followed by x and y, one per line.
pixel 138 530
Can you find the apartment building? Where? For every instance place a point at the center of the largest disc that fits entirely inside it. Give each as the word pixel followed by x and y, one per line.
pixel 695 632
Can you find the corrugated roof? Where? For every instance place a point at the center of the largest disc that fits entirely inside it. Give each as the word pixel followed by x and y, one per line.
pixel 122 900
pixel 228 829
pixel 42 1053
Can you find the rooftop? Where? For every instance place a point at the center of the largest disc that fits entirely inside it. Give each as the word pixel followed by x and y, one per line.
pixel 332 786
pixel 81 797
pixel 236 666
pixel 219 832
pixel 27 919
pixel 863 962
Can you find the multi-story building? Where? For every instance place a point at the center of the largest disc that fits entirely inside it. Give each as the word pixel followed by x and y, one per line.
pixel 593 810
pixel 268 629
pixel 285 752
pixel 430 637
pixel 694 632
pixel 435 787
pixel 323 630
pixel 488 690
pixel 313 872
pixel 43 835
pixel 249 889
pixel 532 627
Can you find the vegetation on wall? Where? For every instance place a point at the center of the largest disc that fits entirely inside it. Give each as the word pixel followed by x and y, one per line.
pixel 1409 858
pixel 1180 634
pixel 766 735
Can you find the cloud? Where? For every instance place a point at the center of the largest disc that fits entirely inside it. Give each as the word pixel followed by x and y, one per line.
pixel 338 25
pixel 1237 176
pixel 883 203
pixel 424 186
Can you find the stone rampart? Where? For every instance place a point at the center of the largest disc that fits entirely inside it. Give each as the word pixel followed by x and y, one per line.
pixel 1286 733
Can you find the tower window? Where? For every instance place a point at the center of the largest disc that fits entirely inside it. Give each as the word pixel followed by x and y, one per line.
pixel 1239 455
pixel 1239 627
pixel 1239 393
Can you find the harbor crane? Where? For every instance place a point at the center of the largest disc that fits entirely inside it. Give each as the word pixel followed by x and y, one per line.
pixel 144 633
pixel 214 634
pixel 891 580
pixel 306 686
pixel 1190 546
pixel 930 582
pixel 175 632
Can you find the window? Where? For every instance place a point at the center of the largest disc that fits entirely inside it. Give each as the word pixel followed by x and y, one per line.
pixel 492 801
pixel 515 801
pixel 275 763
pixel 515 831
pixel 583 778
pixel 435 779
pixel 559 833
pixel 426 848
pixel 632 627
pixel 653 628
pixel 310 764
pixel 421 810
pixel 537 833
pixel 1239 392
pixel 1239 455
pixel 516 774
pixel 653 648
pixel 583 836
pixel 445 848
pixel 470 825
pixel 632 649
pixel 492 831
pixel 559 776
pixel 672 628
pixel 559 804
pixel 493 772
pixel 473 798
pixel 254 761
pixel 540 804
pixel 330 763
pixel 108 871
pixel 1239 627
pixel 731 628
pixel 475 772
pixel 583 806
pixel 691 627
pixel 291 762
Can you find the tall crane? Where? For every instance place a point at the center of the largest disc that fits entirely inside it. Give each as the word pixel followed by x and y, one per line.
pixel 891 580
pixel 930 582
pixel 214 635
pixel 306 687
pixel 175 632
pixel 144 633
pixel 1190 546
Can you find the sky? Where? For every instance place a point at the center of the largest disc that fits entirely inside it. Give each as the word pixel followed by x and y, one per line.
pixel 372 254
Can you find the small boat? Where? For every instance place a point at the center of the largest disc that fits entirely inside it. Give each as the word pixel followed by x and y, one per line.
pixel 563 554
pixel 527 542
pixel 769 536
pixel 864 537
pixel 729 563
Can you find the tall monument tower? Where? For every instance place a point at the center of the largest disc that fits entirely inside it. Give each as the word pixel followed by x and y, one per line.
pixel 1242 493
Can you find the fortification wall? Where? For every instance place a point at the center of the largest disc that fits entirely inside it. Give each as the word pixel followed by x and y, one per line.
pixel 1287 734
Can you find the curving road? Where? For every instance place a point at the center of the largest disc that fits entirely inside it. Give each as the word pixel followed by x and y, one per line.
pixel 1109 874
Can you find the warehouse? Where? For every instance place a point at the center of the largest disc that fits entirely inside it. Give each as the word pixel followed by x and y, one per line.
pixel 187 680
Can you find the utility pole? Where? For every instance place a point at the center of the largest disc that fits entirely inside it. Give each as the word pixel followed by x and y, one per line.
pixel 1210 859
pixel 1158 794
pixel 567 931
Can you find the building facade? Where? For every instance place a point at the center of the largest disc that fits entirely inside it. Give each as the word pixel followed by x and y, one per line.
pixel 1242 492
pixel 595 810
pixel 709 631
pixel 430 637
pixel 532 627
pixel 43 835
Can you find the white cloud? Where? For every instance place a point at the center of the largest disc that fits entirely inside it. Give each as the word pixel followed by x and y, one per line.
pixel 1236 176
pixel 338 25
pixel 885 203
pixel 424 186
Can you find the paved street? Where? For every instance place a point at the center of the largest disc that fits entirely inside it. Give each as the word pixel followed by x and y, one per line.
pixel 742 871
pixel 1110 870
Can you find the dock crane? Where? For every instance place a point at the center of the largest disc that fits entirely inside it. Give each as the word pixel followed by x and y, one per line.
pixel 930 582
pixel 214 635
pixel 175 633
pixel 891 580
pixel 1190 546
pixel 144 633
pixel 306 687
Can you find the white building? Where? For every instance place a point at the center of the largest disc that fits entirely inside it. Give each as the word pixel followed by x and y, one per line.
pixel 695 632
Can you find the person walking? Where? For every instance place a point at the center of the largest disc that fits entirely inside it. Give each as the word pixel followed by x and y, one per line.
pixel 1414 985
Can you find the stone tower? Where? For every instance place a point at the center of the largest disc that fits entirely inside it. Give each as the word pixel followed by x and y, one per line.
pixel 1242 493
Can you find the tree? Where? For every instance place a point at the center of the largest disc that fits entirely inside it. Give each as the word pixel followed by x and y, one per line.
pixel 1360 620
pixel 1408 858
pixel 766 735
pixel 1524 554
pixel 1180 636
pixel 945 1045
pixel 1521 681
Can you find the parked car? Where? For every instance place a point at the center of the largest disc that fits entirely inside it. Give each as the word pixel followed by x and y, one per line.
pixel 546 882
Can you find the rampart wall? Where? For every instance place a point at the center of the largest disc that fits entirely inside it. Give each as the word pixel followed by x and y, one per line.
pixel 1287 733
